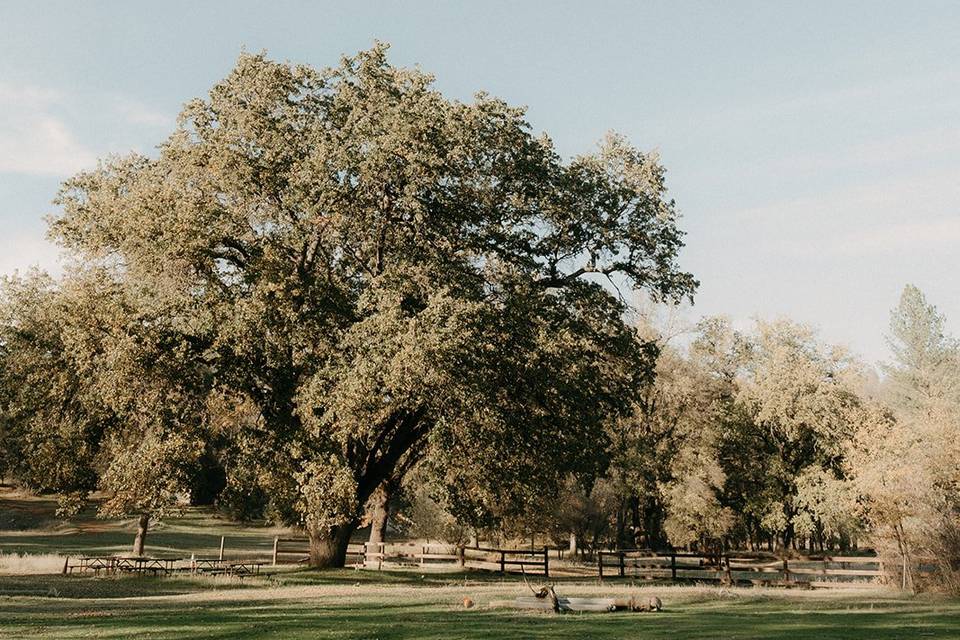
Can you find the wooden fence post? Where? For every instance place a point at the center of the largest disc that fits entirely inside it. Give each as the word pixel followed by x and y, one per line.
pixel 275 543
pixel 600 565
pixel 673 567
pixel 503 564
pixel 221 547
pixel 786 570
pixel 622 572
pixel 546 562
pixel 461 556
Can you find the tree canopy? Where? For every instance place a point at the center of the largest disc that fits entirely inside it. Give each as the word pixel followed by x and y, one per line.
pixel 342 273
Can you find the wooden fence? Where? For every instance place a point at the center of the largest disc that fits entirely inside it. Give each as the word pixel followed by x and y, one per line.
pixel 297 551
pixel 644 564
pixel 531 561
pixel 740 567
pixel 380 555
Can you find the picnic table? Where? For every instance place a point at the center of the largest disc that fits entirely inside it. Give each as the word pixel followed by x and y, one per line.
pixel 143 564
pixel 92 563
pixel 127 564
pixel 206 565
pixel 216 566
pixel 245 568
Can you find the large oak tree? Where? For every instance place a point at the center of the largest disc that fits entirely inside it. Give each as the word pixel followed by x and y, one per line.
pixel 373 275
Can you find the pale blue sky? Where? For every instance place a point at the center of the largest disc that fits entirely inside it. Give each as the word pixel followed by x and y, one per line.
pixel 813 148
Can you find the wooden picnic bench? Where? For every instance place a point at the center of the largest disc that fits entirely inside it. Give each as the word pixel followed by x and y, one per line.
pixel 90 563
pixel 143 565
pixel 116 564
pixel 208 566
pixel 244 568
pixel 216 566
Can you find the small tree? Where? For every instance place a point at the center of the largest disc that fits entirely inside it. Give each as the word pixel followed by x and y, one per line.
pixel 904 462
pixel 97 395
pixel 148 478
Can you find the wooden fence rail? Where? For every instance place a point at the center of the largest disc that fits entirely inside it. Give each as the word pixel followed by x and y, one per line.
pixel 376 555
pixel 763 568
pixel 297 551
pixel 645 564
pixel 536 561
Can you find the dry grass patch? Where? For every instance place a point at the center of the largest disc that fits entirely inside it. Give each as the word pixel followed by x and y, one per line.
pixel 22 564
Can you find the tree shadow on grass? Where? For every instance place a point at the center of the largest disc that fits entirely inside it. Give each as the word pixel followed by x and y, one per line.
pixel 164 543
pixel 363 617
pixel 79 587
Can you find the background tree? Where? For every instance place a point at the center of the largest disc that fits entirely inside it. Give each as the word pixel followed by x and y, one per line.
pixel 800 400
pixel 97 395
pixel 669 422
pixel 926 367
pixel 906 462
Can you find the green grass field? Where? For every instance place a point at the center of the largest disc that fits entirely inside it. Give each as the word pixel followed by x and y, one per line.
pixel 334 606
pixel 28 525
pixel 389 605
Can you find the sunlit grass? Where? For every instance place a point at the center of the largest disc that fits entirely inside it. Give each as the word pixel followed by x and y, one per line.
pixel 330 605
pixel 387 605
pixel 28 526
pixel 29 563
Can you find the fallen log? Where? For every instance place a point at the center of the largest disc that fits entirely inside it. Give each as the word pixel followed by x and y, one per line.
pixel 653 603
pixel 563 604
pixel 580 604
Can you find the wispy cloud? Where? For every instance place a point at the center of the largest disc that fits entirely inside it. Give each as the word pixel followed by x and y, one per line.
pixel 21 251
pixel 929 192
pixel 37 139
pixel 893 151
pixel 920 91
pixel 903 237
pixel 135 112
pixel 907 213
pixel 33 139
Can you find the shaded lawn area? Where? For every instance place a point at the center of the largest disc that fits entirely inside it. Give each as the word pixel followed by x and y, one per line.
pixel 333 608
pixel 80 586
pixel 58 588
pixel 349 604
pixel 28 525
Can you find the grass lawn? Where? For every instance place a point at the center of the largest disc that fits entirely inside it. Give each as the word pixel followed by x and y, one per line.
pixel 28 525
pixel 385 605
pixel 348 604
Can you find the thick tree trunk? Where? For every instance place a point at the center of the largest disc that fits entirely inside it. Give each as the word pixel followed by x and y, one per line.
pixel 329 549
pixel 636 523
pixel 380 512
pixel 653 516
pixel 141 538
pixel 621 528
pixel 397 450
pixel 573 545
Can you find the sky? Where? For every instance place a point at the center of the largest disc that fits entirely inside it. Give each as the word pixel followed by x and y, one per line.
pixel 813 149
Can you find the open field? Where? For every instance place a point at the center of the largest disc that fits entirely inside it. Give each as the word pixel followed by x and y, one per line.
pixel 384 605
pixel 28 526
pixel 333 605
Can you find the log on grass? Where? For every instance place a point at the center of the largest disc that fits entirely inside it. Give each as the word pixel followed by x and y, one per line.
pixel 565 604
